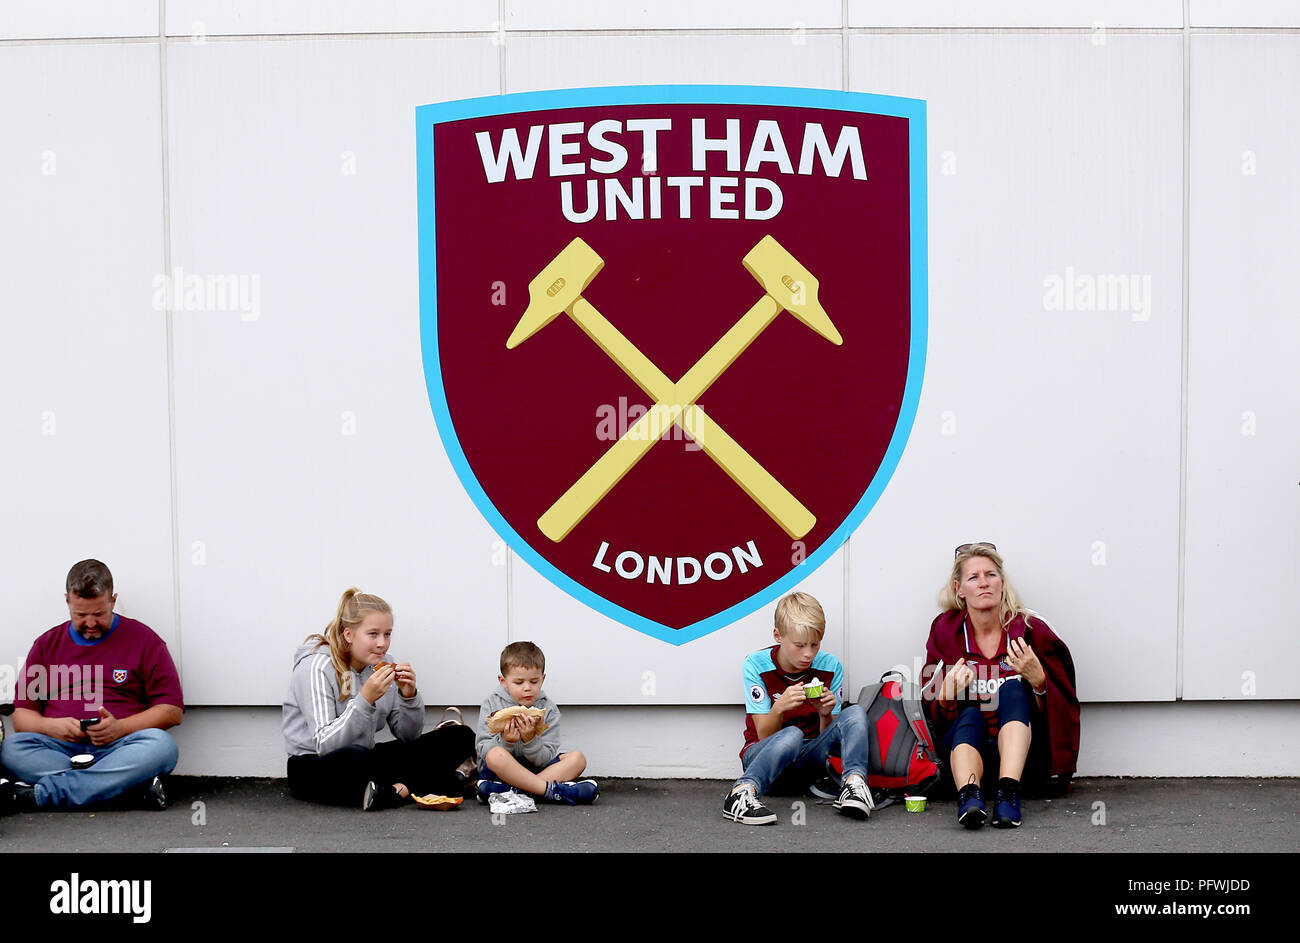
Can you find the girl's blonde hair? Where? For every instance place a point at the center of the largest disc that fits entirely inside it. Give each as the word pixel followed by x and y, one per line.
pixel 1011 605
pixel 353 606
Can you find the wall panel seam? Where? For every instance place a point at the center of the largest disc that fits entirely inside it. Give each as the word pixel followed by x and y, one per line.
pixel 169 326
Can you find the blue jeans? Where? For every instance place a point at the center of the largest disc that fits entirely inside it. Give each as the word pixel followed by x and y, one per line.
pixel 46 763
pixel 787 753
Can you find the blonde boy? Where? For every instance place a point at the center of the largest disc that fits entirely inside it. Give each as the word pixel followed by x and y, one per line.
pixel 789 732
pixel 520 756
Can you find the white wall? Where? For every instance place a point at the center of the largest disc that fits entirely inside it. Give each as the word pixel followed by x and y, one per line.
pixel 237 468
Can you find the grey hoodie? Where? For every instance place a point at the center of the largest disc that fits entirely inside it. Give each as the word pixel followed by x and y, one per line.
pixel 315 721
pixel 537 752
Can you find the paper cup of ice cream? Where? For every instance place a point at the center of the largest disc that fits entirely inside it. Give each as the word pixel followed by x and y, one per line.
pixel 814 689
pixel 915 803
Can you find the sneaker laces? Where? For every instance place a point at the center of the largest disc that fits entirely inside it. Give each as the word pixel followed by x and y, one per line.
pixel 746 800
pixel 860 791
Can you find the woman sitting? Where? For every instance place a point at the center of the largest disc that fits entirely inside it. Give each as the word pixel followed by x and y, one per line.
pixel 1004 689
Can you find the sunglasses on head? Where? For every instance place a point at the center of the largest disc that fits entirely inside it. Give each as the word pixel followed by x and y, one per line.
pixel 980 545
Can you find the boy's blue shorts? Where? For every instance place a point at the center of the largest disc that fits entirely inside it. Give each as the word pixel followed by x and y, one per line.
pixel 485 773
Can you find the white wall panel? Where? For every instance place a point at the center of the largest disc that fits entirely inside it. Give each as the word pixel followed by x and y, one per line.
pixel 594 660
pixel 1243 440
pixel 535 62
pixel 308 459
pixel 1244 13
pixel 246 17
pixel 73 19
pixel 672 14
pixel 1049 432
pixel 1090 14
pixel 84 423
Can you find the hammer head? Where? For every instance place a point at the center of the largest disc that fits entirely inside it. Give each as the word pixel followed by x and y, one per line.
pixel 555 288
pixel 792 285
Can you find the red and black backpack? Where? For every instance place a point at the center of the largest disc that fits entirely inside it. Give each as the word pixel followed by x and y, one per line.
pixel 901 759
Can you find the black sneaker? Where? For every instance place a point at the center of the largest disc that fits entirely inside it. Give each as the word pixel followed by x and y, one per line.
pixel 828 787
pixel 743 806
pixel 378 797
pixel 855 800
pixel 16 797
pixel 154 798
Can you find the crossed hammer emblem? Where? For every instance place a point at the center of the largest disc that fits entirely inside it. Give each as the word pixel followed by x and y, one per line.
pixel 787 286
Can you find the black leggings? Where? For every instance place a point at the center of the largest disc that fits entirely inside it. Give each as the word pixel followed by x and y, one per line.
pixel 425 765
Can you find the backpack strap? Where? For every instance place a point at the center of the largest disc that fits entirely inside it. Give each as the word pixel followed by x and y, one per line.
pixel 915 714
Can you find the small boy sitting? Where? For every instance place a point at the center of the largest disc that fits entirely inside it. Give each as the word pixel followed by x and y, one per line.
pixel 519 755
pixel 788 733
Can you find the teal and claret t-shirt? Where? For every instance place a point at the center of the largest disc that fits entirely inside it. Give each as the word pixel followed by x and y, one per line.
pixel 765 682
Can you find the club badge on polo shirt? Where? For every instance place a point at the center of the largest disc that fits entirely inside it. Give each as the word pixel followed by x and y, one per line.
pixel 119 675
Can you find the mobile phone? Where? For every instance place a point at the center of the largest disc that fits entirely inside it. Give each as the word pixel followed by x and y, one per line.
pixel 88 722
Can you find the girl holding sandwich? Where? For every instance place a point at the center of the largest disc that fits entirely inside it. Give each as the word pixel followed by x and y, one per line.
pixel 342 692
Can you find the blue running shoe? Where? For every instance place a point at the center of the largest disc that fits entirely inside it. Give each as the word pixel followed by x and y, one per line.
pixel 582 792
pixel 971 810
pixel 1006 811
pixel 487 787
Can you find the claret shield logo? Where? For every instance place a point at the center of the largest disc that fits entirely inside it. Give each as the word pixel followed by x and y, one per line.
pixel 673 336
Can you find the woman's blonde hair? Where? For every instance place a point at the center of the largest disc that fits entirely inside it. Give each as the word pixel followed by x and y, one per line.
pixel 353 606
pixel 948 598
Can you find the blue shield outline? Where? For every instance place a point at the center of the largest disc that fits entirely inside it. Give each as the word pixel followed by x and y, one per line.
pixel 428 117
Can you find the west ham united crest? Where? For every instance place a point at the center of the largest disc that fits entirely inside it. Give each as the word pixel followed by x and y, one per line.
pixel 673 335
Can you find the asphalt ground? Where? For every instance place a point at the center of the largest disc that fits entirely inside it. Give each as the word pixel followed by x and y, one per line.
pixel 1164 816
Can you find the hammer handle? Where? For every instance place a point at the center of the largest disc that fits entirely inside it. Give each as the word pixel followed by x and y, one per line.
pixel 585 493
pixel 755 480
